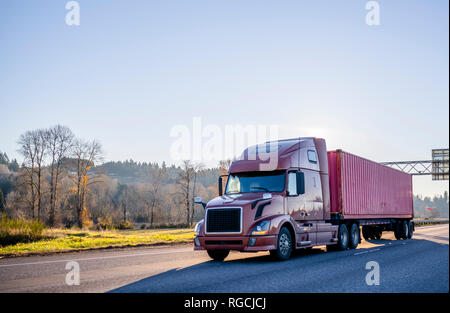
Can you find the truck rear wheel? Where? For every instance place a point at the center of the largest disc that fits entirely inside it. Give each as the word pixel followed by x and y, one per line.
pixel 218 255
pixel 342 237
pixel 354 236
pixel 411 229
pixel 284 245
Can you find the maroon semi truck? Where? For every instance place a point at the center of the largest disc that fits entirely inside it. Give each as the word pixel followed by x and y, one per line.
pixel 310 197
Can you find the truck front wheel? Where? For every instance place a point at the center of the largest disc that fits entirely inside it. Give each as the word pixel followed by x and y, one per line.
pixel 218 255
pixel 284 245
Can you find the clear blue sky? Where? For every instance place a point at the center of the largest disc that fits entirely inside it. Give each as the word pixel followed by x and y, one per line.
pixel 134 69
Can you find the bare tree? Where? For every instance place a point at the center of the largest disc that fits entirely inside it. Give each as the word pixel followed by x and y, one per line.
pixel 184 181
pixel 40 142
pixel 28 151
pixel 196 168
pixel 224 166
pixel 86 154
pixel 33 145
pixel 154 198
pixel 59 142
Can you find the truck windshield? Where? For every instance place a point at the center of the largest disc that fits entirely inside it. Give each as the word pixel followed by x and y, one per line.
pixel 256 182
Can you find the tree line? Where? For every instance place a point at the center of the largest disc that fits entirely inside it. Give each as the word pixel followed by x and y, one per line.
pixel 436 206
pixel 63 182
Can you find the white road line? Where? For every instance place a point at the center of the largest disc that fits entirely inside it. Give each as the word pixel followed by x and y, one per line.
pixel 97 258
pixel 367 251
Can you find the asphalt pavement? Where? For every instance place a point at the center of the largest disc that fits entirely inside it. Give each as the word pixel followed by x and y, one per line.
pixel 419 264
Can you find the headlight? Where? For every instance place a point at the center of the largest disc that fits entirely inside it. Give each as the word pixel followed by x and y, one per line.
pixel 262 228
pixel 197 228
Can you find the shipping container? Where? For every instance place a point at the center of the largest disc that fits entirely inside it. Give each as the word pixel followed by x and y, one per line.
pixel 360 188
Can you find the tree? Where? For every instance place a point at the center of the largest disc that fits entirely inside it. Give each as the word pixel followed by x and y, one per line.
pixel 195 169
pixel 184 182
pixel 32 146
pixel 224 166
pixel 85 154
pixel 121 198
pixel 59 141
pixel 154 200
pixel 2 202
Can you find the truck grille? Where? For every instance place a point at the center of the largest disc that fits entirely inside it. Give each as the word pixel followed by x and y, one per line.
pixel 226 220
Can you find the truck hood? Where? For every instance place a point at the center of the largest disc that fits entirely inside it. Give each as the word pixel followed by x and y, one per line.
pixel 241 199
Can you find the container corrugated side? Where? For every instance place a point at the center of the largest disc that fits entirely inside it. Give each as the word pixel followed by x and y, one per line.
pixel 360 188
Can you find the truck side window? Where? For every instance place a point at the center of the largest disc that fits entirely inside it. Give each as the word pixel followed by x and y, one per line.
pixel 312 156
pixel 292 184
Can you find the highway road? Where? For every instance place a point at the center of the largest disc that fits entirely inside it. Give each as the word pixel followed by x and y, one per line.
pixel 415 265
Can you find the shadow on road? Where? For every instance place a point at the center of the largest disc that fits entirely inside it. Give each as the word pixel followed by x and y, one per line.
pixel 209 276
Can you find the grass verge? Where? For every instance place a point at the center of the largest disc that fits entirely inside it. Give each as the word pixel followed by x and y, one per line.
pixel 62 240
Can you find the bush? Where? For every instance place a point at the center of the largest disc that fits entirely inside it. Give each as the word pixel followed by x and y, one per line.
pixel 105 223
pixel 13 231
pixel 86 219
pixel 125 225
pixel 171 225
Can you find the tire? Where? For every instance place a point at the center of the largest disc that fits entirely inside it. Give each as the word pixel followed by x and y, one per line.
pixel 354 236
pixel 405 230
pixel 411 230
pixel 218 255
pixel 397 231
pixel 343 238
pixel 284 245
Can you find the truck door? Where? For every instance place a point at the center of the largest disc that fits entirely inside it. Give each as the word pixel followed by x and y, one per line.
pixel 313 196
pixel 295 203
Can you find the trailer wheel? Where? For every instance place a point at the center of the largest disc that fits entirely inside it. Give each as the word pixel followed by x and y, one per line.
pixel 218 255
pixel 354 236
pixel 284 245
pixel 397 230
pixel 411 229
pixel 404 229
pixel 342 237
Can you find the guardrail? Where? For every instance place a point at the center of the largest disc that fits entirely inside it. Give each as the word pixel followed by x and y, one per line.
pixel 433 221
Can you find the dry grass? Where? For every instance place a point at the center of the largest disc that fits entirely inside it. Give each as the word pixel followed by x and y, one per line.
pixel 62 240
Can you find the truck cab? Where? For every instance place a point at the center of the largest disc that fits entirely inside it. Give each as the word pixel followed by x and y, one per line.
pixel 276 199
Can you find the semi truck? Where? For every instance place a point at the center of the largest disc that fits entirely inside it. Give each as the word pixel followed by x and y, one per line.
pixel 309 197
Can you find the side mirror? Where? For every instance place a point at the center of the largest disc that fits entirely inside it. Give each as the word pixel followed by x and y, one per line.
pixel 199 200
pixel 220 186
pixel 300 183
